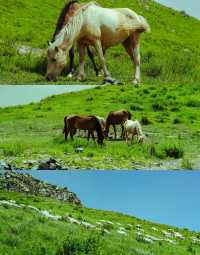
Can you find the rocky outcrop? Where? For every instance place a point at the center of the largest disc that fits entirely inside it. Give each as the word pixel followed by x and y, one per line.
pixel 25 183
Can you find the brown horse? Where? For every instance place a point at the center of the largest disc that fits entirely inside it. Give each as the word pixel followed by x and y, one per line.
pixel 117 118
pixel 90 123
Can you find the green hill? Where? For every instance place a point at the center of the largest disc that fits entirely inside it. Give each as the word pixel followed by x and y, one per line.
pixel 171 53
pixel 37 225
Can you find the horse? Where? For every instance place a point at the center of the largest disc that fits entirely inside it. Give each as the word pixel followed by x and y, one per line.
pixel 134 128
pixel 102 28
pixel 90 123
pixel 116 118
pixel 69 10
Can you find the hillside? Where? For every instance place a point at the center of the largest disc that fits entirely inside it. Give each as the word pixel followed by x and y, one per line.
pixel 170 54
pixel 38 225
pixel 169 116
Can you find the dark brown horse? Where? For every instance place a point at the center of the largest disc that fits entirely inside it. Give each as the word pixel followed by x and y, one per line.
pixel 117 118
pixel 89 123
pixel 68 10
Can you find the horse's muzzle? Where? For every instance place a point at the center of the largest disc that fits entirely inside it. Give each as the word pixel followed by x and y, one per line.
pixel 51 77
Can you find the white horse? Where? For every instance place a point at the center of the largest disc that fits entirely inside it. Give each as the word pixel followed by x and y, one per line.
pixel 101 27
pixel 133 127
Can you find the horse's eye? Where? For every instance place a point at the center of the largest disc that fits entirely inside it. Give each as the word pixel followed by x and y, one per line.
pixel 53 60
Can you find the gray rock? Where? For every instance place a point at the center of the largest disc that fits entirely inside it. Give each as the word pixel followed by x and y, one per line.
pixel 49 164
pixel 25 183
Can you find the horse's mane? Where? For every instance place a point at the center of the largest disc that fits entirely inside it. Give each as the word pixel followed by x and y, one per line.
pixel 61 18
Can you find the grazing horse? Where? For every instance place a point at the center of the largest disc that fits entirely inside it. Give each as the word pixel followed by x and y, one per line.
pixel 69 10
pixel 116 118
pixel 89 123
pixel 102 28
pixel 134 128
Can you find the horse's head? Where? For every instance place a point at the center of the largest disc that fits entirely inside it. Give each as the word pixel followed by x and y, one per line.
pixel 56 61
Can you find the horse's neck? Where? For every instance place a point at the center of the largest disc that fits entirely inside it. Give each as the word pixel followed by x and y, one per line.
pixel 70 31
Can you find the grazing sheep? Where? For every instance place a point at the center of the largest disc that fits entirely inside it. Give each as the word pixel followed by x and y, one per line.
pixel 133 127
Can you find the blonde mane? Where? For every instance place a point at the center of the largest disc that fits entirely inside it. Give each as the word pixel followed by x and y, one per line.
pixel 73 26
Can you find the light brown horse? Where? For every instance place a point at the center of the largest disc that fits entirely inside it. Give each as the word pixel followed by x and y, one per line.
pixel 91 24
pixel 89 123
pixel 117 118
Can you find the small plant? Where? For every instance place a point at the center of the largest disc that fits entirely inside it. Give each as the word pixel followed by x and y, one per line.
pixel 145 120
pixel 176 121
pixel 187 164
pixel 173 151
pixel 158 107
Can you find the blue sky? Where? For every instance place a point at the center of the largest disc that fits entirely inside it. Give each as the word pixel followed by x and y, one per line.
pixel 192 7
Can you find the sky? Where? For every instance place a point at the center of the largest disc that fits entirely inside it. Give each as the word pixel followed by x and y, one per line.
pixel 192 7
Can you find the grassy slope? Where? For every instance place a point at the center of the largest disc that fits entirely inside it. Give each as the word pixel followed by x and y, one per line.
pixel 170 53
pixel 23 231
pixel 27 132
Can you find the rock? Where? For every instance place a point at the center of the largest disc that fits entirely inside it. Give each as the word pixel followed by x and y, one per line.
pixel 6 166
pixel 49 164
pixel 25 183
pixel 79 149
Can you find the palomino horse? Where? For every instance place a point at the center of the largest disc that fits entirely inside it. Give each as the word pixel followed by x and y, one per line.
pixel 90 123
pixel 69 10
pixel 134 128
pixel 117 118
pixel 101 27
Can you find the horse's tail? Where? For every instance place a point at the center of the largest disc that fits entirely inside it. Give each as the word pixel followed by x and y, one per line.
pixel 65 124
pixel 99 131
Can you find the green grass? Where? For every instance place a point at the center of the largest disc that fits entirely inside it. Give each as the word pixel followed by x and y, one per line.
pixel 169 54
pixel 24 231
pixel 32 131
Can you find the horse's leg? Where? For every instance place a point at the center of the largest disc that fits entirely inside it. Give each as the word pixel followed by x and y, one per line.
pixel 71 62
pixel 131 45
pixel 92 132
pixel 72 134
pixel 122 134
pixel 136 55
pixel 91 56
pixel 81 75
pixel 114 128
pixel 106 73
pixel 88 135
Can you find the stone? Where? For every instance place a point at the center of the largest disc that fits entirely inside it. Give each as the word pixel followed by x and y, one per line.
pixel 25 183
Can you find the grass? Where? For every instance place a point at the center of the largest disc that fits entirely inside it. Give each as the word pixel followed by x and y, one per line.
pixel 23 231
pixel 170 54
pixel 35 130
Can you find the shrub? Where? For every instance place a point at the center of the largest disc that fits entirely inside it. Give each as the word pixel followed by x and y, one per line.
pixel 158 107
pixel 90 243
pixel 136 107
pixel 176 121
pixel 173 151
pixel 145 120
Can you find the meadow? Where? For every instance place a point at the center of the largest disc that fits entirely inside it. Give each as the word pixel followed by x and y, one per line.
pixel 25 231
pixel 170 53
pixel 169 116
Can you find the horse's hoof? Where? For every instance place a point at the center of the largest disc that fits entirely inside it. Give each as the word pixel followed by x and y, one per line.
pixel 111 81
pixel 136 82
